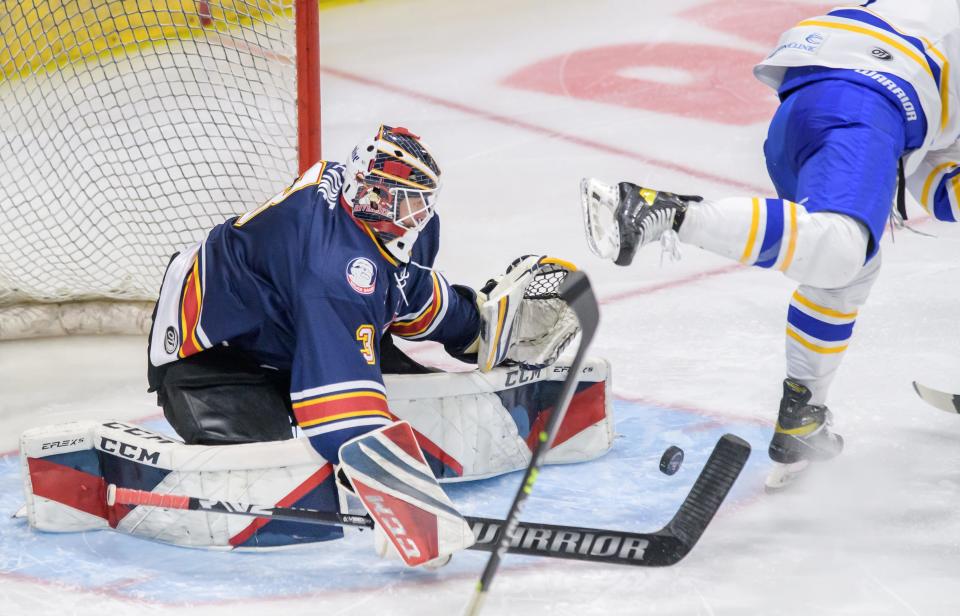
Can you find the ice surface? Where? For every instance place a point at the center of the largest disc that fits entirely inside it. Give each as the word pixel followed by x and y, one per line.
pixel 696 348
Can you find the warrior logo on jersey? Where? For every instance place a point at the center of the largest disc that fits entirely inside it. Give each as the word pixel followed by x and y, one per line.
pixel 362 275
pixel 881 54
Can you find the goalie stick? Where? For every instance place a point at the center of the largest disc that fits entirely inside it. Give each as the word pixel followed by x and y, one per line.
pixel 939 399
pixel 660 548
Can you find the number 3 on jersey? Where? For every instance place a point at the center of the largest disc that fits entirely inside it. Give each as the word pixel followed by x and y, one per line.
pixel 366 335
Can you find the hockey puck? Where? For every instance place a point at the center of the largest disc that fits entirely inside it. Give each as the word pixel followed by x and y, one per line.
pixel 671 460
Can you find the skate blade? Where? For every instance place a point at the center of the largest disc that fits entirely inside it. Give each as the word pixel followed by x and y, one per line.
pixel 21 513
pixel 782 476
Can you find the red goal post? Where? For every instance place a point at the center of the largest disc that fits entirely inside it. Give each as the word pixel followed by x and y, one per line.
pixel 130 127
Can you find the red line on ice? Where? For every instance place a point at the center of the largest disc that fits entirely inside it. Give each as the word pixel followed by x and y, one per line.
pixel 549 132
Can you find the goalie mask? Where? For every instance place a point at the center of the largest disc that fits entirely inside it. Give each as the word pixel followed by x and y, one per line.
pixel 390 184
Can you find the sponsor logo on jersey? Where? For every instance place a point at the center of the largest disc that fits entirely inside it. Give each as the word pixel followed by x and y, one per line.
pixel 171 340
pixel 881 54
pixel 809 44
pixel 362 275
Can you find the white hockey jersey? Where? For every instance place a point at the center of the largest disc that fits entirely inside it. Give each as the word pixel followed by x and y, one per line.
pixel 918 41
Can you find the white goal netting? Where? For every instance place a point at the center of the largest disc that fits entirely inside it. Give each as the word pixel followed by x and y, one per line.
pixel 127 129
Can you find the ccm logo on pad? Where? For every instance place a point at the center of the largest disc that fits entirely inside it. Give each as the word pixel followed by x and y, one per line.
pixel 392 524
pixel 126 450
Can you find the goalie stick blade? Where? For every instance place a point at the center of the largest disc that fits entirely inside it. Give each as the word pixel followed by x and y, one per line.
pixel 568 542
pixel 679 536
pixel 662 548
pixel 938 399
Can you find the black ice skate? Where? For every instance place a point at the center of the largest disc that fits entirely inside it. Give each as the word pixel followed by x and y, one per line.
pixel 802 435
pixel 622 219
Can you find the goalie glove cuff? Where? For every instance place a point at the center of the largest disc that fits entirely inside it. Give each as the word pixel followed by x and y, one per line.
pixel 523 319
pixel 468 353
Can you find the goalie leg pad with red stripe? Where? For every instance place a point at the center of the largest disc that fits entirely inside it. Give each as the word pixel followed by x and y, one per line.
pixel 67 467
pixel 390 476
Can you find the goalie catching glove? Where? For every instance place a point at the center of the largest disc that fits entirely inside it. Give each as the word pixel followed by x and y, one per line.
pixel 522 318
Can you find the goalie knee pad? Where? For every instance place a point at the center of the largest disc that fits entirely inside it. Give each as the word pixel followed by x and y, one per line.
pixel 472 425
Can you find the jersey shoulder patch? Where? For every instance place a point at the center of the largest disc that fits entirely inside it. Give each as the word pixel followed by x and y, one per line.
pixel 331 182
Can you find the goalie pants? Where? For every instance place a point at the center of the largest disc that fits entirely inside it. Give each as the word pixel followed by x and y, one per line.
pixel 221 396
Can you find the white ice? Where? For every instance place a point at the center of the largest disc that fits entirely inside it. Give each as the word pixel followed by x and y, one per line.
pixel 877 532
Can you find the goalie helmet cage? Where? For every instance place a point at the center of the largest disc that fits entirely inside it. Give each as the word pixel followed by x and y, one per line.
pixel 130 128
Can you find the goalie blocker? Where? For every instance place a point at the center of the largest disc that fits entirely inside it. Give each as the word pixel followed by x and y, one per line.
pixel 472 425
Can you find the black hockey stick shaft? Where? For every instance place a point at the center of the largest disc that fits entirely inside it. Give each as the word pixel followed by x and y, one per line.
pixel 575 290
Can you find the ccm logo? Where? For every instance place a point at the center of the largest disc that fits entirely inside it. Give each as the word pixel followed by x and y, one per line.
pixel 135 431
pixel 394 527
pixel 521 375
pixel 126 450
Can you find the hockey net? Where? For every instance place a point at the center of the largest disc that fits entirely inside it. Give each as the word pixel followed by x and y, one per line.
pixel 127 130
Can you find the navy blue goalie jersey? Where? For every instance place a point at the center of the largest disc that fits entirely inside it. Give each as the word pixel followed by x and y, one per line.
pixel 300 285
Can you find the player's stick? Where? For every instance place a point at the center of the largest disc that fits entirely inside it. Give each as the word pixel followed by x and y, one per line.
pixel 661 548
pixel 575 290
pixel 939 399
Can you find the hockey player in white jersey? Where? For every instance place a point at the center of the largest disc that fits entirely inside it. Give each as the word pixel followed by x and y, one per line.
pixel 865 91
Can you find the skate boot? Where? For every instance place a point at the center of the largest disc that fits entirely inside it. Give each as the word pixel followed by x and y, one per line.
pixel 621 219
pixel 802 435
